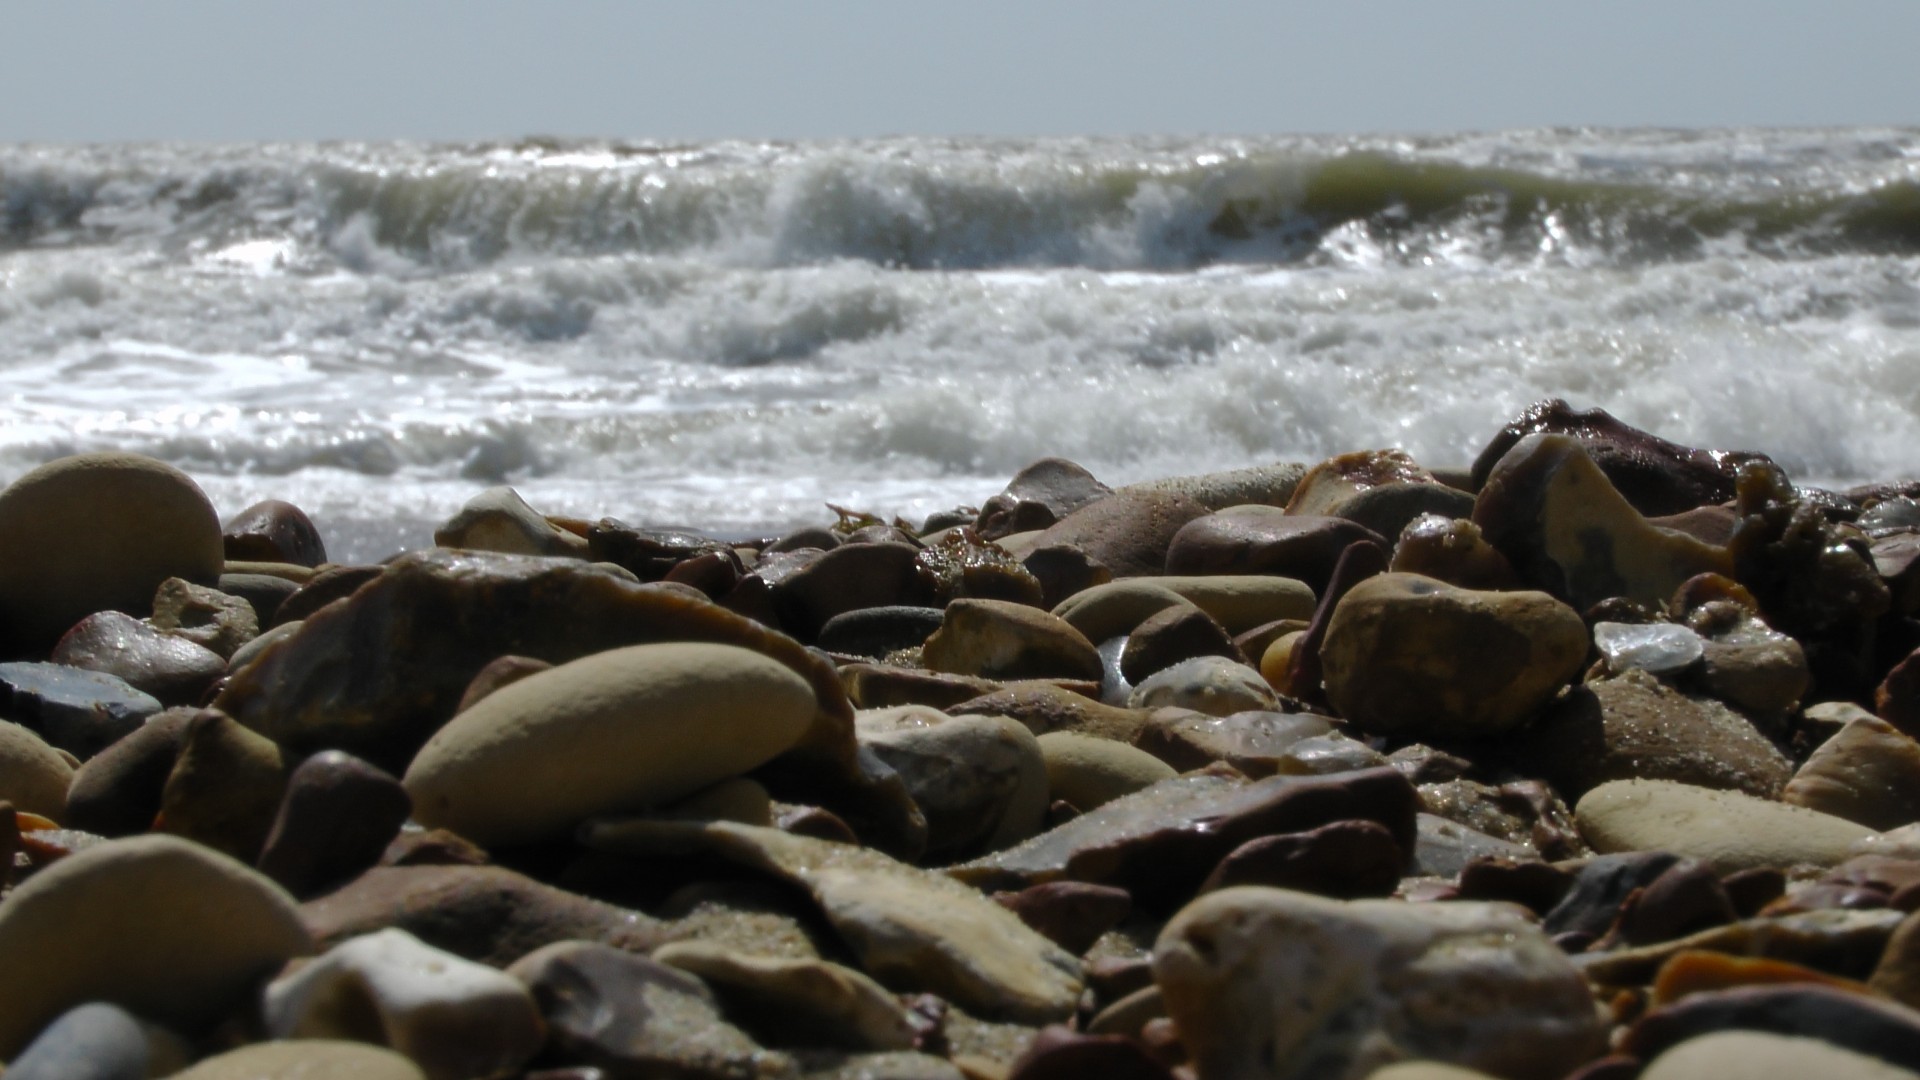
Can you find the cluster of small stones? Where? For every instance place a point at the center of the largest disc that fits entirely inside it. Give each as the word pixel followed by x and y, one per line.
pixel 1597 759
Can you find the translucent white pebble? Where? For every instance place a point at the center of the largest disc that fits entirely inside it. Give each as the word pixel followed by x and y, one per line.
pixel 1655 648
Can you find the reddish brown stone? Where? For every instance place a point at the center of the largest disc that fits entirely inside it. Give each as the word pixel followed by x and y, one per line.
pixel 1037 497
pixel 1172 635
pixel 1127 532
pixel 1266 540
pixel 1346 860
pixel 273 531
pixel 1071 914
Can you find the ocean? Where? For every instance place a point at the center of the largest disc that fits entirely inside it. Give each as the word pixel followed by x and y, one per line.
pixel 729 336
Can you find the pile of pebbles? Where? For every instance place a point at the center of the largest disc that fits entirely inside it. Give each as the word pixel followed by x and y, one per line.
pixel 1596 759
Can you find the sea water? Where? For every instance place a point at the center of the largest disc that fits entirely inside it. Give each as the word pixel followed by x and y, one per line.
pixel 730 336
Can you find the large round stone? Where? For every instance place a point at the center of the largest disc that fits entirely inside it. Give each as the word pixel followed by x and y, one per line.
pixel 1409 655
pixel 97 532
pixel 616 731
pixel 306 1059
pixel 163 927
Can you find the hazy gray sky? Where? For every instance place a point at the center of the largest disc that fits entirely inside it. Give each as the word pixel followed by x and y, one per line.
pixel 452 69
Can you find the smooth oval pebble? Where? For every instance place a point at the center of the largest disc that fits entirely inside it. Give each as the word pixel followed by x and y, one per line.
pixel 1726 830
pixel 305 1059
pixel 164 927
pixel 1760 1055
pixel 616 731
pixel 1088 771
pixel 1656 648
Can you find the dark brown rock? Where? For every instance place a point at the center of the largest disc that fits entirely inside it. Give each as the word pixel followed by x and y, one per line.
pixel 378 674
pixel 1304 673
pixel 1685 898
pixel 875 632
pixel 337 818
pixel 809 537
pixel 1045 708
pixel 1059 1054
pixel 1346 860
pixel 1071 914
pixel 1897 699
pixel 1381 490
pixel 1063 570
pixel 650 554
pixel 1854 1021
pixel 879 686
pixel 484 913
pixel 117 791
pixel 1600 886
pixel 1636 727
pixel 1656 476
pixel 333 583
pixel 501 671
pixel 171 668
pixel 1162 842
pixel 1266 540
pixel 1127 532
pixel 264 593
pixel 1173 635
pixel 273 531
pixel 1037 497
pixel 715 573
pixel 1538 886
pixel 847 578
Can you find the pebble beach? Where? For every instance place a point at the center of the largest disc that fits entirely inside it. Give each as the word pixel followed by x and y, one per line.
pixel 1593 756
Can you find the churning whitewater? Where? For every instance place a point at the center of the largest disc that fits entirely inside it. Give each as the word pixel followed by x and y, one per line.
pixel 729 335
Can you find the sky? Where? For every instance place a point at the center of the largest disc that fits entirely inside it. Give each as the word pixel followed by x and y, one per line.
pixel 221 70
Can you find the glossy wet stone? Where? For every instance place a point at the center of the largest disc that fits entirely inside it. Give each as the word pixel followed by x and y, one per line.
pixel 498 519
pixel 1253 742
pixel 1171 636
pixel 1214 685
pixel 877 631
pixel 1655 648
pixel 170 668
pixel 81 712
pixel 1266 540
pixel 1161 843
pixel 273 531
pixel 1038 496
pixel 995 639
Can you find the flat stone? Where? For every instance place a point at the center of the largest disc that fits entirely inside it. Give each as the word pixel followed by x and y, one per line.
pixel 1829 939
pixel 1265 485
pixel 1161 843
pixel 498 519
pixel 911 929
pixel 631 1016
pixel 33 776
pixel 1761 1055
pixel 160 926
pixel 484 913
pixel 613 732
pixel 97 532
pixel 380 673
pixel 1636 727
pixel 1411 656
pixel 1869 772
pixel 454 1018
pixel 1346 860
pixel 305 1059
pixel 1269 982
pixel 1045 708
pixel 1086 771
pixel 81 712
pixel 338 816
pixel 1213 685
pixel 1253 742
pixel 1444 848
pixel 1727 830
pixel 1551 511
pixel 1071 914
pixel 995 639
pixel 796 1002
pixel 981 781
pixel 170 668
pixel 273 531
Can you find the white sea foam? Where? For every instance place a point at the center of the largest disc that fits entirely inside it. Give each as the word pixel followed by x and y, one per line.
pixel 729 336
